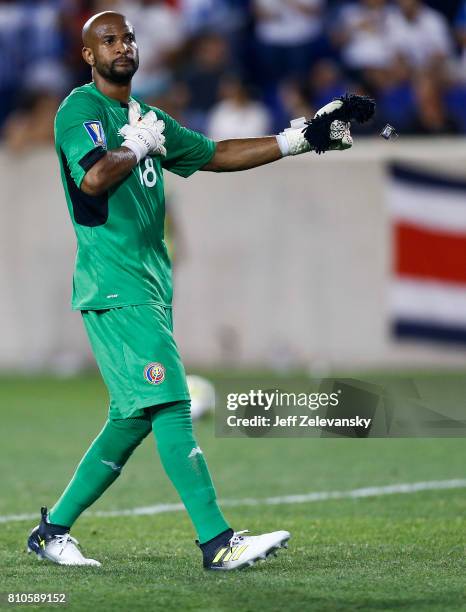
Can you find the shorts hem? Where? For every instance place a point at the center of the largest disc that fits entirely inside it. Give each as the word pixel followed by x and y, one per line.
pixel 148 404
pixel 121 305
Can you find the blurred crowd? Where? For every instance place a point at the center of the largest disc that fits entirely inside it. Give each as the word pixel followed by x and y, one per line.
pixel 233 68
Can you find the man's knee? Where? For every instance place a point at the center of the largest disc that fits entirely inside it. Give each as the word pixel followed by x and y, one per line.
pixel 120 437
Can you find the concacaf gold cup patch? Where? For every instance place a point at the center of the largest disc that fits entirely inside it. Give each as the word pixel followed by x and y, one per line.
pixel 96 132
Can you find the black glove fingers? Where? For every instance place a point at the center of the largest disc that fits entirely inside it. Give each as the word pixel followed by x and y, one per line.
pixel 354 108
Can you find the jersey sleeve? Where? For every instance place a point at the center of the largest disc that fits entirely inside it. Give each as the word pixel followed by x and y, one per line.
pixel 79 135
pixel 187 151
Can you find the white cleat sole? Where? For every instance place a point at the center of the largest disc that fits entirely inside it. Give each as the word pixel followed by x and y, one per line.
pixel 272 551
pixel 93 563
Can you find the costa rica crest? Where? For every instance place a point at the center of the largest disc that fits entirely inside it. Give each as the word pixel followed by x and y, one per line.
pixel 154 373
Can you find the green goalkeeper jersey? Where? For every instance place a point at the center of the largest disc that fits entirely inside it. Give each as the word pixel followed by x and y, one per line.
pixel 121 257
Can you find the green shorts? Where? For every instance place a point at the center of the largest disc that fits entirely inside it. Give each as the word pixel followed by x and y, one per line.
pixel 137 357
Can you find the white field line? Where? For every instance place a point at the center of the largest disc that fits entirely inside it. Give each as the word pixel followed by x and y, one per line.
pixel 413 487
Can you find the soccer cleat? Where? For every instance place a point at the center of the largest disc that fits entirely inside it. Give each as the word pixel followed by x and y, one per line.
pixel 243 551
pixel 60 547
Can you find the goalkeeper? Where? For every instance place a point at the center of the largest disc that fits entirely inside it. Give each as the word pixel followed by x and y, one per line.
pixel 112 152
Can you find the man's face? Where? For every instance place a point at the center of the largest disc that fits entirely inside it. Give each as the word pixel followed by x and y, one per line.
pixel 114 52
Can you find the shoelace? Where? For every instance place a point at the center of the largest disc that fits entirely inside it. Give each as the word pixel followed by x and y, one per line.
pixel 65 539
pixel 237 538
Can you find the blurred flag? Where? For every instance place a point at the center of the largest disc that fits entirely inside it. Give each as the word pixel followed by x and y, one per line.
pixel 428 289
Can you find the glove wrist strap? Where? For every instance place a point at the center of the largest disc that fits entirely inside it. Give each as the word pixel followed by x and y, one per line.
pixel 283 144
pixel 135 148
pixel 292 141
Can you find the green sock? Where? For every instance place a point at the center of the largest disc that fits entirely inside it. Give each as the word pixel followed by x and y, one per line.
pixel 100 466
pixel 186 467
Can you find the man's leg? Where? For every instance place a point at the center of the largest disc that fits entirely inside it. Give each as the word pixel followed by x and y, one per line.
pixel 100 467
pixel 222 549
pixel 186 467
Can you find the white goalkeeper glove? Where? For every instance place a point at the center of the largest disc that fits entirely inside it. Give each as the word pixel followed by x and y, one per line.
pixel 143 135
pixel 292 141
pixel 134 112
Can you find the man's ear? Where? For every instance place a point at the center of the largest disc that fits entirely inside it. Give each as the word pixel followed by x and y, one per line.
pixel 88 56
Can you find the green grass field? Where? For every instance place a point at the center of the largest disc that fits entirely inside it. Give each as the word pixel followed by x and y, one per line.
pixel 401 552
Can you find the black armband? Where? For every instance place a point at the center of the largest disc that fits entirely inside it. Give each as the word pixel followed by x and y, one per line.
pixel 92 158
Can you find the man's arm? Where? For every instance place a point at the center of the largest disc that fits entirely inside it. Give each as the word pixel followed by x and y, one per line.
pixel 329 130
pixel 108 171
pixel 230 155
pixel 243 154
